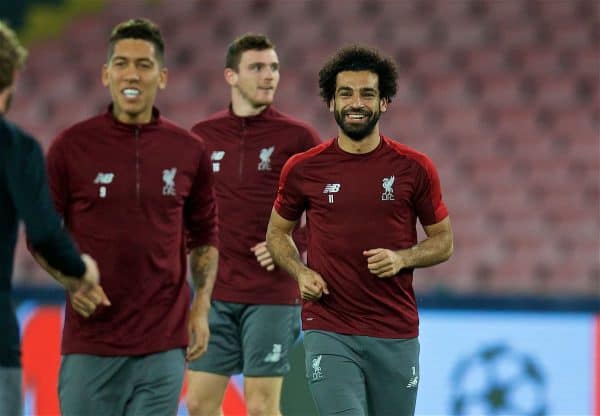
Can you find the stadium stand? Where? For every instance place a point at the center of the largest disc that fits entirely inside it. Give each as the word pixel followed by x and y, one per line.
pixel 503 95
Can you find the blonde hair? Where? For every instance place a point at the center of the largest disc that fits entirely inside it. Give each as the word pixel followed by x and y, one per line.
pixel 12 55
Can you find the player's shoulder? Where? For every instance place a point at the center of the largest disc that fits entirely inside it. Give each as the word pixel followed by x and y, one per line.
pixel 408 152
pixel 214 119
pixel 16 139
pixel 174 129
pixel 310 154
pixel 80 130
pixel 276 116
pixel 180 136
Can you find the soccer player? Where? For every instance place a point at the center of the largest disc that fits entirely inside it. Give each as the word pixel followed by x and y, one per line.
pixel 136 191
pixel 255 315
pixel 362 193
pixel 24 195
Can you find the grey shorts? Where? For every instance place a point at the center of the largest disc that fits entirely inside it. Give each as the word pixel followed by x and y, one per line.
pixel 107 386
pixel 360 375
pixel 255 340
pixel 11 397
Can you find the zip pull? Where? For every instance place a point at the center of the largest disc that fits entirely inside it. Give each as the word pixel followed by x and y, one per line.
pixel 137 165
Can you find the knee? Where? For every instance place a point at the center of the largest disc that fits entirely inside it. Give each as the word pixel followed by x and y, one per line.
pixel 261 405
pixel 198 407
pixel 256 408
pixel 193 405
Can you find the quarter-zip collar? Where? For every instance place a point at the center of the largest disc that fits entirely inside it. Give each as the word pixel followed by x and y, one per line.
pixel 155 122
pixel 266 114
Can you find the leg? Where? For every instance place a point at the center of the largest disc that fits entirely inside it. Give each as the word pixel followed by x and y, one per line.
pixel 268 336
pixel 208 376
pixel 335 379
pixel 11 375
pixel 11 398
pixel 262 395
pixel 205 393
pixel 158 382
pixel 392 372
pixel 93 385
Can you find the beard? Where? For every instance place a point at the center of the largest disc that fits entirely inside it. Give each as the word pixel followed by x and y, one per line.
pixel 356 131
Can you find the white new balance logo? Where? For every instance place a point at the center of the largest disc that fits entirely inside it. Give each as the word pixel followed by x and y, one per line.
pixel 217 155
pixel 103 179
pixel 275 355
pixel 216 158
pixel 331 188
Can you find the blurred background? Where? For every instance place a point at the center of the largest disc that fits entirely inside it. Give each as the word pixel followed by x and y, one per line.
pixel 503 95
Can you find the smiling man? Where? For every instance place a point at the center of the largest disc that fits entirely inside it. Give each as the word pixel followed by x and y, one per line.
pixel 362 193
pixel 132 187
pixel 24 196
pixel 255 314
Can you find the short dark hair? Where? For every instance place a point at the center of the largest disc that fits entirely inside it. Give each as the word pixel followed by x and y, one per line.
pixel 12 55
pixel 246 42
pixel 359 58
pixel 143 29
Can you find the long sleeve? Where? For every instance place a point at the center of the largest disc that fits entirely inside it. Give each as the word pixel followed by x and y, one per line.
pixel 201 209
pixel 28 187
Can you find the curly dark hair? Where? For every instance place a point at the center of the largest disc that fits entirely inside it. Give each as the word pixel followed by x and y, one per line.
pixel 143 29
pixel 246 42
pixel 358 58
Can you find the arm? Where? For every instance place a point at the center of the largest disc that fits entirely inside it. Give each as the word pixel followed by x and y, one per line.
pixel 435 249
pixel 263 255
pixel 28 187
pixel 203 265
pixel 200 220
pixel 285 255
pixel 85 294
pixel 300 236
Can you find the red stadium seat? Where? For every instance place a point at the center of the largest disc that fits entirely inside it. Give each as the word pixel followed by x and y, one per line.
pixel 447 91
pixel 503 90
pixel 556 92
pixel 518 34
pixel 570 34
pixel 539 60
pixel 486 62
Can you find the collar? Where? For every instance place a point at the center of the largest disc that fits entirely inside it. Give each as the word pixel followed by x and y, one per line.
pixel 154 122
pixel 263 115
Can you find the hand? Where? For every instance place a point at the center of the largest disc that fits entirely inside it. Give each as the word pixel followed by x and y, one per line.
pixel 84 292
pixel 198 329
pixel 311 284
pixel 85 298
pixel 383 262
pixel 91 275
pixel 263 256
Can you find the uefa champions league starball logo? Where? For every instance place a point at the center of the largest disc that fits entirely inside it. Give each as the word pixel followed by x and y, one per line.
pixel 499 381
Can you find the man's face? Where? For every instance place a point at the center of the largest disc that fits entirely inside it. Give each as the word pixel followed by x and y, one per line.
pixel 356 104
pixel 133 75
pixel 257 77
